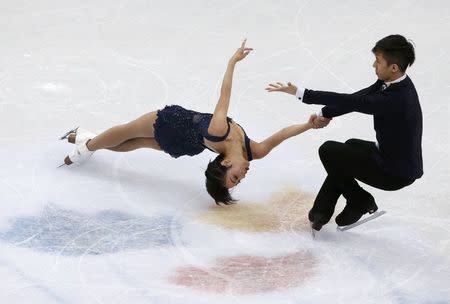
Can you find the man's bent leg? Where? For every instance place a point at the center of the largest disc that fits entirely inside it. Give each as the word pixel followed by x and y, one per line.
pixel 367 170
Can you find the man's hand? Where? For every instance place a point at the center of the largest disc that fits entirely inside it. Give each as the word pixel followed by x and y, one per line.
pixel 280 87
pixel 320 121
pixel 241 52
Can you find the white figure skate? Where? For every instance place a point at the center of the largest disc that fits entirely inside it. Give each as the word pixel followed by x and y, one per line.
pixel 80 153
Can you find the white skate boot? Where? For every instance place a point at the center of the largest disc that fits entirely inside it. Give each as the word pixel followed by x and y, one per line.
pixel 81 152
pixel 80 135
pixel 83 135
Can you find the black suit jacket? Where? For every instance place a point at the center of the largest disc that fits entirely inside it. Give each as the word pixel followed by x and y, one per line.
pixel 397 117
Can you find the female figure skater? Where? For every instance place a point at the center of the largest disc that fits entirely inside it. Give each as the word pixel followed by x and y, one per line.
pixel 178 131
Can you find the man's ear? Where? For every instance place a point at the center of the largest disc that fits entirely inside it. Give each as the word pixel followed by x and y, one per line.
pixel 395 68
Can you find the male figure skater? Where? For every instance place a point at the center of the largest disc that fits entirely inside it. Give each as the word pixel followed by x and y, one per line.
pixel 392 162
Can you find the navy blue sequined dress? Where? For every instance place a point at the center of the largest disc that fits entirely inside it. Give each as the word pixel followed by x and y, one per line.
pixel 179 131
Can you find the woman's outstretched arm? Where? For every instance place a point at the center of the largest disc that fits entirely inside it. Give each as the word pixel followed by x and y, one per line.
pixel 218 125
pixel 260 150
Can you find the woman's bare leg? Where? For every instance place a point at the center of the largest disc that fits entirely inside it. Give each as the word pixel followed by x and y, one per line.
pixel 141 127
pixel 136 143
pixel 128 145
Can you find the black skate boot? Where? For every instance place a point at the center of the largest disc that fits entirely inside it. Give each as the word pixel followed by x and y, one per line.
pixel 317 220
pixel 353 211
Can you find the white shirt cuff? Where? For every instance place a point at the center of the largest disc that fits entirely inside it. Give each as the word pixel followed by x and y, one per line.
pixel 299 94
pixel 320 113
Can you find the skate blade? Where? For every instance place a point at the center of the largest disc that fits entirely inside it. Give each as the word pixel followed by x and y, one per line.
pixel 65 163
pixel 360 222
pixel 313 232
pixel 74 130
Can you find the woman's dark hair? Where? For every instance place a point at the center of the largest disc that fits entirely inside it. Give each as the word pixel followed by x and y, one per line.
pixel 215 180
pixel 396 49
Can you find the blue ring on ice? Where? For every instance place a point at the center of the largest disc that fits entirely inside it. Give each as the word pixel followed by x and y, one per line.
pixel 72 233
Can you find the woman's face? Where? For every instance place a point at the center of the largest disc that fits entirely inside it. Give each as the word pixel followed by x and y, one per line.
pixel 237 169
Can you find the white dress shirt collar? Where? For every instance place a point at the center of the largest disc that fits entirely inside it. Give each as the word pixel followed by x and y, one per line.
pixel 388 83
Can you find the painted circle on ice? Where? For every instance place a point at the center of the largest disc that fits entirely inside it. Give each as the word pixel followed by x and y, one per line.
pixel 286 211
pixel 72 233
pixel 246 274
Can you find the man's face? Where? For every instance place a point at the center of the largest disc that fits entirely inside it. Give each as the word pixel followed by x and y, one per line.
pixel 383 70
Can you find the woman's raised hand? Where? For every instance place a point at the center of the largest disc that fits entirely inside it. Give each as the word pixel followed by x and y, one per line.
pixel 241 52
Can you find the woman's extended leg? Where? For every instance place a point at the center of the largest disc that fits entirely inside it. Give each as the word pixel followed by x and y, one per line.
pixel 129 145
pixel 139 132
pixel 126 146
pixel 141 127
pixel 136 143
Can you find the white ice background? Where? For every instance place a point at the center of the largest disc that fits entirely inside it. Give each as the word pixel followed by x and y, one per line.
pixel 115 229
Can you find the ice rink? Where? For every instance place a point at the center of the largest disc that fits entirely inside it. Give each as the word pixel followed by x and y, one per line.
pixel 139 227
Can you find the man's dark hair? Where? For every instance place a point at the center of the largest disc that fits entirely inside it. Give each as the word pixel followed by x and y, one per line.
pixel 215 180
pixel 396 50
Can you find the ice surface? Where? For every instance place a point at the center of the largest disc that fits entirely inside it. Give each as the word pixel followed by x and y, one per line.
pixel 139 227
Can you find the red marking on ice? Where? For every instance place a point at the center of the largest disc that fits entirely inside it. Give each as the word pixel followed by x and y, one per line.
pixel 248 274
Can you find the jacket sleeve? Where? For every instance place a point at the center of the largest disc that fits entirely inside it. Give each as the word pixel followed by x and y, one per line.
pixel 369 100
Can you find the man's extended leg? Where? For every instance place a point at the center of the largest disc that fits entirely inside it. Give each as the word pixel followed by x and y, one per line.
pixel 330 153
